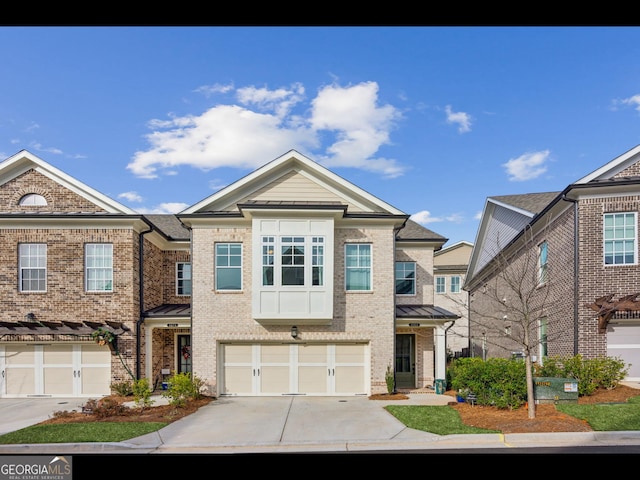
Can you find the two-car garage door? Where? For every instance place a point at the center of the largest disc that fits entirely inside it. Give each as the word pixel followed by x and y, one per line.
pixel 294 369
pixel 55 370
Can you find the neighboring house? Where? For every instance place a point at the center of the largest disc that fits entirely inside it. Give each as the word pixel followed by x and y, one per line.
pixel 283 282
pixel 582 243
pixel 449 270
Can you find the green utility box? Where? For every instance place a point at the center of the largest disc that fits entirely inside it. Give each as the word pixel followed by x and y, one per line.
pixel 555 390
pixel 440 386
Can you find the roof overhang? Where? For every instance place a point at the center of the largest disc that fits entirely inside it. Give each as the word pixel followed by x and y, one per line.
pixel 423 316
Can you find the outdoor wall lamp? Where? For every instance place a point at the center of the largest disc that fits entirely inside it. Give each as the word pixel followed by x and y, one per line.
pixel 30 317
pixel 294 331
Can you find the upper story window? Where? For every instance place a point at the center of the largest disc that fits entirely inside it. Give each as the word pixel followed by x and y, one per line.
pixel 228 266
pixel 455 284
pixel 300 262
pixel 620 238
pixel 441 285
pixel 32 200
pixel 405 278
pixel 98 260
pixel 183 278
pixel 542 263
pixel 33 267
pixel 358 266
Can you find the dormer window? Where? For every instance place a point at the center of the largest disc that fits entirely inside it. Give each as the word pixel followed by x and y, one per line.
pixel 33 200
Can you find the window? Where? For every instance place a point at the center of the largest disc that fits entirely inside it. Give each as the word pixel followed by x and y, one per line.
pixel 301 261
pixel 619 238
pixel 358 266
pixel 455 284
pixel 33 200
pixel 183 278
pixel 542 263
pixel 405 278
pixel 441 285
pixel 99 267
pixel 228 266
pixel 33 267
pixel 542 332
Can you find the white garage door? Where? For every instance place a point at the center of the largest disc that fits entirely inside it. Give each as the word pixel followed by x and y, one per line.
pixel 55 370
pixel 294 369
pixel 623 341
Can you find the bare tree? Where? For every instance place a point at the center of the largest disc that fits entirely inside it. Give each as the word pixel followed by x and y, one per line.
pixel 524 303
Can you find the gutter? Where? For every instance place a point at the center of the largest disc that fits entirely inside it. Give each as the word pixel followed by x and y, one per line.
pixel 575 270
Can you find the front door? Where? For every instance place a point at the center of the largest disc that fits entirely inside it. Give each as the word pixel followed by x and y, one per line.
pixel 405 361
pixel 184 353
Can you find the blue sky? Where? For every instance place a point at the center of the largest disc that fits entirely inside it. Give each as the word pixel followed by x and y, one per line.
pixel 432 120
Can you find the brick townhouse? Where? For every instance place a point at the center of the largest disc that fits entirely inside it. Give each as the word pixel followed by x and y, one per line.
pixel 290 280
pixel 580 248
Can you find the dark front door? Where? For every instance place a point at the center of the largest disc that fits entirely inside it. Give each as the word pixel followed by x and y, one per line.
pixel 184 353
pixel 405 361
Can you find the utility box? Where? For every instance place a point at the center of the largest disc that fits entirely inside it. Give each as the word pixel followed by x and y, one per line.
pixel 555 390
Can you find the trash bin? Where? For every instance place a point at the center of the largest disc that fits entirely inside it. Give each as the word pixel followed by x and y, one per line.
pixel 440 386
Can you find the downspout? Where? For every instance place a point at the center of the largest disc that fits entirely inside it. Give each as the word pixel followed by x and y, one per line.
pixel 575 271
pixel 393 359
pixel 141 295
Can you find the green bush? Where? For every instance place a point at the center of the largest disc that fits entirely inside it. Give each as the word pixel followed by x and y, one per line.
pixel 388 377
pixel 124 389
pixel 142 393
pixel 182 387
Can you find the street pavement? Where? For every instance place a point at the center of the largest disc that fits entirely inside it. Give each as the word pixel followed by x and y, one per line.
pixel 287 424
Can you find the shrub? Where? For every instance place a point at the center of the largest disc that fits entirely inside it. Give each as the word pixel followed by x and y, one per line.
pixel 182 387
pixel 124 389
pixel 388 377
pixel 142 393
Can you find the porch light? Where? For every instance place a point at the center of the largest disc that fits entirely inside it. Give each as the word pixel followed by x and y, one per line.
pixel 30 317
pixel 294 331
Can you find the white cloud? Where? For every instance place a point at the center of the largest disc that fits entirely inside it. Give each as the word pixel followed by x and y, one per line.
pixel 170 207
pixel 527 166
pixel 346 123
pixel 130 196
pixel 633 101
pixel 463 120
pixel 478 215
pixel 424 218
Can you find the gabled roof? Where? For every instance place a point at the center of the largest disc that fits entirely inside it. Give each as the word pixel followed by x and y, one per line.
pixel 24 161
pixel 292 161
pixel 505 217
pixel 414 232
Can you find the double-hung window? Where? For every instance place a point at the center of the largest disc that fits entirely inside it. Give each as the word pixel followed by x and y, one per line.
pixel 358 266
pixel 542 263
pixel 183 278
pixel 228 266
pixel 620 238
pixel 441 285
pixel 98 261
pixel 33 267
pixel 405 278
pixel 455 284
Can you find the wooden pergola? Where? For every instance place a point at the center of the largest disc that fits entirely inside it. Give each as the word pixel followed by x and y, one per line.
pixel 606 308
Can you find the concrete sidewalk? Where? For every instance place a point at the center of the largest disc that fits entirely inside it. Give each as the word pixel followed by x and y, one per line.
pixel 310 424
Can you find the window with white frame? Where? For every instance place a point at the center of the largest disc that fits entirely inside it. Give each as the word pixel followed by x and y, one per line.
pixel 441 286
pixel 455 284
pixel 358 266
pixel 405 278
pixel 620 238
pixel 183 278
pixel 300 261
pixel 542 338
pixel 542 263
pixel 228 266
pixel 33 267
pixel 98 261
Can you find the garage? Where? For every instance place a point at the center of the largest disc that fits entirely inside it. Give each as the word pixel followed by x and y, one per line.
pixel 55 370
pixel 623 341
pixel 274 369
